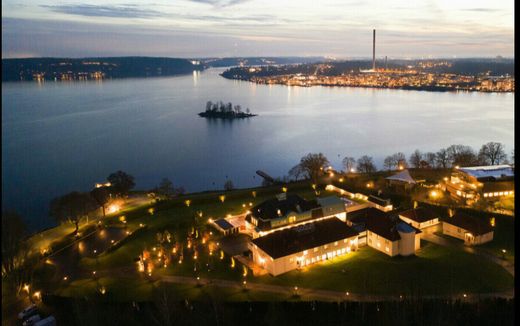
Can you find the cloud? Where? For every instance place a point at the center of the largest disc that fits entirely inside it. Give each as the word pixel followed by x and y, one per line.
pixel 221 3
pixel 126 11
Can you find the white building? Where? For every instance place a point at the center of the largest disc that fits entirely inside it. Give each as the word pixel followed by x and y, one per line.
pixel 472 230
pixel 288 249
pixel 421 218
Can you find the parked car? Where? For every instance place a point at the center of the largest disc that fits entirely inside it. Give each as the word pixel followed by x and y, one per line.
pixel 32 320
pixel 28 312
pixel 49 321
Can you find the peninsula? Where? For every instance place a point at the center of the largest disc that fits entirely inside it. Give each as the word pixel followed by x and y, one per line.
pixel 225 111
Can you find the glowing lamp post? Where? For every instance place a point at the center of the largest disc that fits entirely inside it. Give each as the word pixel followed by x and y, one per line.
pixel 222 198
pixel 187 202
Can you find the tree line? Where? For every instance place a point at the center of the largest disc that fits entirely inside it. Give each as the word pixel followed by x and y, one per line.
pixel 492 153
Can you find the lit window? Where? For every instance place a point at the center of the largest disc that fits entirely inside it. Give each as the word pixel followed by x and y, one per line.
pixel 501 193
pixel 315 249
pixel 485 195
pixel 291 260
pixel 338 252
pixel 345 241
pixel 323 257
pixel 379 245
pixel 305 252
pixel 496 194
pixel 336 243
pixel 325 246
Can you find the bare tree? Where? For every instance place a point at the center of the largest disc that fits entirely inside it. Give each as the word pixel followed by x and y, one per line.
pixel 400 160
pixel 442 158
pixel 365 164
pixel 492 153
pixel 461 155
pixel 389 162
pixel 313 164
pixel 416 158
pixel 349 163
pixel 431 159
pixel 296 172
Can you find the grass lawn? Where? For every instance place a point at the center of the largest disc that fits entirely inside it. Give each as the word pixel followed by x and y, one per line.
pixel 435 270
pixel 503 237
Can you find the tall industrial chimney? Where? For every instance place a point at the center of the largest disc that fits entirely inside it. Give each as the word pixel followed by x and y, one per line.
pixel 374 51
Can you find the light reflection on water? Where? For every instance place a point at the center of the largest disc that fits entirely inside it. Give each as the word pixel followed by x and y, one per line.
pixel 64 136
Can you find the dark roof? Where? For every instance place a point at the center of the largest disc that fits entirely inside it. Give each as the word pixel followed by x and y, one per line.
pixel 286 242
pixel 498 186
pixel 225 225
pixel 379 222
pixel 379 201
pixel 268 209
pixel 420 214
pixel 475 225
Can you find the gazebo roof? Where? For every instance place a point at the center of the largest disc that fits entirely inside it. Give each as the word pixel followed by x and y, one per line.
pixel 403 176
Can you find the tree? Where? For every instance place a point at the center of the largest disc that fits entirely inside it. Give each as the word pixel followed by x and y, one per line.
pixel 228 186
pixel 121 182
pixel 166 188
pixel 431 159
pixel 365 164
pixel 209 106
pixel 14 230
pixel 442 158
pixel 72 207
pixel 101 195
pixel 400 160
pixel 313 164
pixel 416 158
pixel 349 163
pixel 296 172
pixel 461 155
pixel 492 153
pixel 389 162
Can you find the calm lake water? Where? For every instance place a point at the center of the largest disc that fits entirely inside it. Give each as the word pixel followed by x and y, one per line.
pixel 63 136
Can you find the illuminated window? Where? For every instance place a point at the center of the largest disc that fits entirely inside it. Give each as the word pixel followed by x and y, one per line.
pixel 291 260
pixel 336 243
pixel 315 249
pixel 379 245
pixel 325 246
pixel 501 193
pixel 387 249
pixel 305 252
pixel 338 252
pixel 323 257
pixel 345 241
pixel 485 195
pixel 496 194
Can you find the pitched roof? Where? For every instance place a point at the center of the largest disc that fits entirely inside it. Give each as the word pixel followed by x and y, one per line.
pixel 380 223
pixel 475 225
pixel 222 223
pixel 491 171
pixel 311 235
pixel 379 201
pixel 420 214
pixel 403 176
pixel 268 209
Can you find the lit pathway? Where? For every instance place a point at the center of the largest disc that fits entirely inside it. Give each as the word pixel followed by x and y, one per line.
pixel 472 250
pixel 315 294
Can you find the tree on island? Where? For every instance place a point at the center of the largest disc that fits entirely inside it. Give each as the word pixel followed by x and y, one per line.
pixel 313 164
pixel 121 182
pixel 72 207
pixel 365 164
pixel 228 185
pixel 492 153
pixel 101 195
pixel 349 163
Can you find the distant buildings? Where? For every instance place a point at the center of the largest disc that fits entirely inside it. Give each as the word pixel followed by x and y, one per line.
pixel 481 182
pixel 401 181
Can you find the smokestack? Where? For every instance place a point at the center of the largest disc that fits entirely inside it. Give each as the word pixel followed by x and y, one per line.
pixel 374 51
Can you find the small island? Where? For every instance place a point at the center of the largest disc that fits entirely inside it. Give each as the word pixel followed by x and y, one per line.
pixel 221 110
